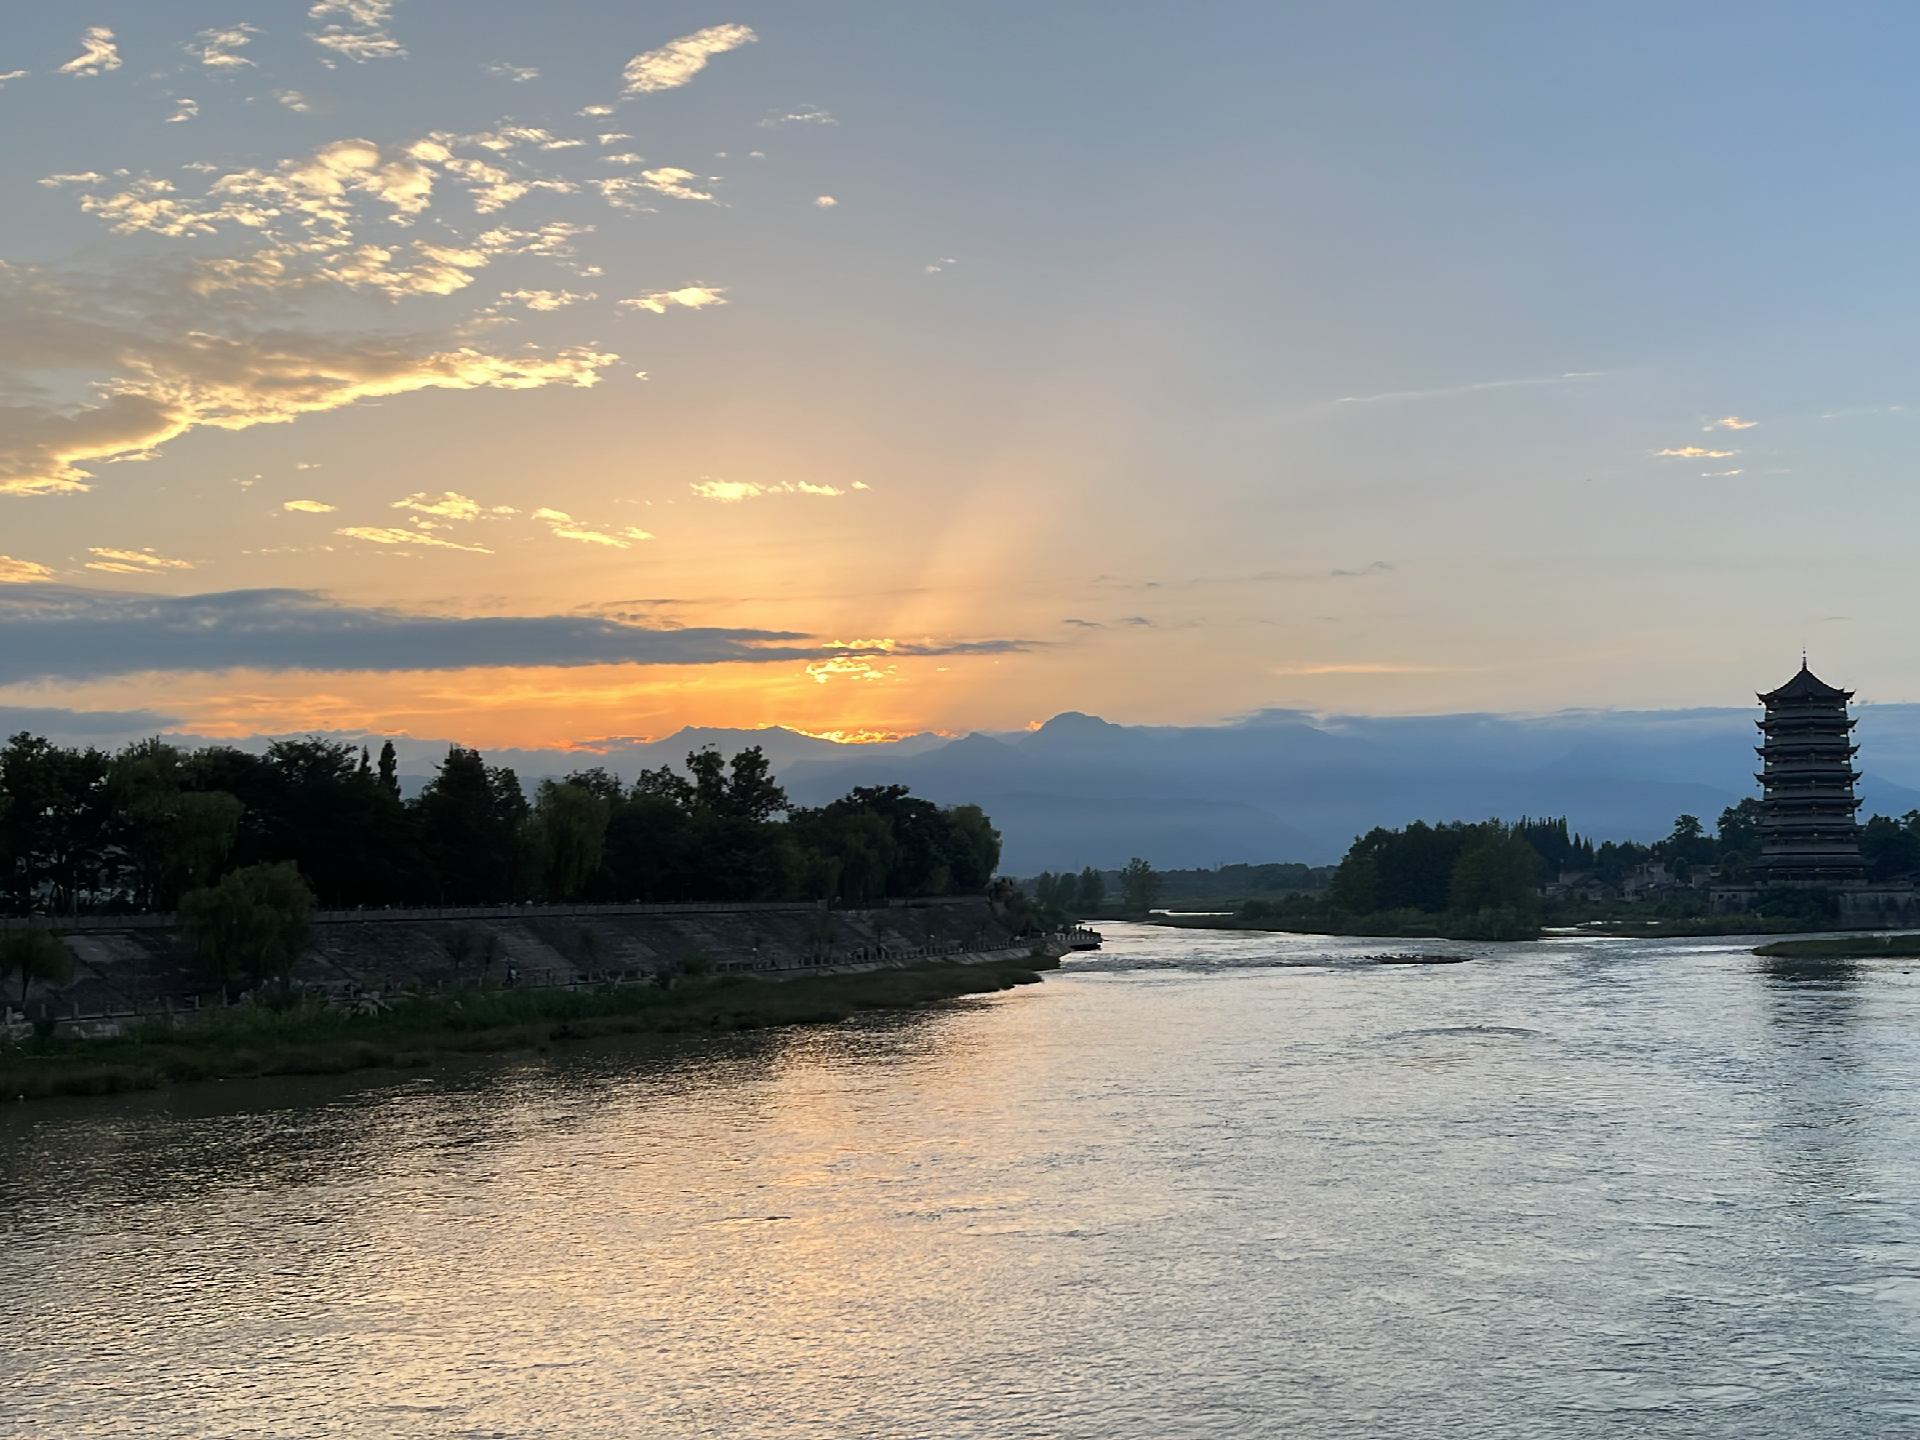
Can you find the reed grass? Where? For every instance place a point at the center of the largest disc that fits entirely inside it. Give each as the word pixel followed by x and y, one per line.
pixel 313 1038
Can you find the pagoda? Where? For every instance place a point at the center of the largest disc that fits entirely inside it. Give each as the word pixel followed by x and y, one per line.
pixel 1808 833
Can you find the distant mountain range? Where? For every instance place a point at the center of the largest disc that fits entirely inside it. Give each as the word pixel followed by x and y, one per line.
pixel 1276 786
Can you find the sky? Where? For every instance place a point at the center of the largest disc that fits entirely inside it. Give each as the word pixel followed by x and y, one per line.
pixel 531 375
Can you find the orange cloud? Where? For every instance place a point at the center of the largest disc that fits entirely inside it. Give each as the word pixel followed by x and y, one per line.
pixel 21 572
pixel 533 707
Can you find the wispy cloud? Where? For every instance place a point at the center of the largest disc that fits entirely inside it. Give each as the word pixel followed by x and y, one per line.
pixel 363 35
pixel 881 643
pixel 671 181
pixel 183 110
pixel 731 492
pixel 71 633
pixel 309 507
pixel 218 49
pixel 546 299
pixel 565 527
pixel 359 46
pixel 1731 422
pixel 400 535
pixel 303 216
pixel 21 572
pixel 134 562
pixel 449 505
pixel 806 115
pixel 161 378
pixel 97 53
pixel 847 667
pixel 676 63
pixel 12 75
pixel 518 74
pixel 1448 391
pixel 306 202
pixel 1694 452
pixel 691 297
pixel 367 14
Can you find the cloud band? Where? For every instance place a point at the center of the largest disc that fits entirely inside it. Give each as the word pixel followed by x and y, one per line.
pixel 59 632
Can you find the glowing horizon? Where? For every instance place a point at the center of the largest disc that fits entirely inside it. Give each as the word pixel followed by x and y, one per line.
pixel 841 398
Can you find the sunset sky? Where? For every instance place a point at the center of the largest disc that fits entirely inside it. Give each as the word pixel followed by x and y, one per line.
pixel 528 374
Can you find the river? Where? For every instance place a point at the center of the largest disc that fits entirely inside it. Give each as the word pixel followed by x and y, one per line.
pixel 1194 1185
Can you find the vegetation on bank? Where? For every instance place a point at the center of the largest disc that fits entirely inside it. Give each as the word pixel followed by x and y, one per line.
pixel 1137 888
pixel 84 831
pixel 297 1036
pixel 1488 881
pixel 1846 947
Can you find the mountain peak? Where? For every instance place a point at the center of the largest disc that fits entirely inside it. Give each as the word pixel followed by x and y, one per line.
pixel 1075 722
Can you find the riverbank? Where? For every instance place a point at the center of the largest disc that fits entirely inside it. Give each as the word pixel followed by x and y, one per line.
pixel 1845 947
pixel 1400 926
pixel 410 1031
pixel 141 964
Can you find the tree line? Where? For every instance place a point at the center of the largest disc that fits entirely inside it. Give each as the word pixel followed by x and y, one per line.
pixel 87 831
pixel 1483 880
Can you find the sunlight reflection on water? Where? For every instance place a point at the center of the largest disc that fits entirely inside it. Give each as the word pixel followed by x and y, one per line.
pixel 1194 1185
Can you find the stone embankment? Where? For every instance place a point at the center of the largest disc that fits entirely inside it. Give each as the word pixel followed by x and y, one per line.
pixel 130 965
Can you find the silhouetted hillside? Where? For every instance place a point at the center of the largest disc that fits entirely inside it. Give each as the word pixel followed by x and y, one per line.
pixel 1277 786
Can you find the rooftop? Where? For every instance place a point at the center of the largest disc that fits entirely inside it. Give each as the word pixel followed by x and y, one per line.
pixel 1803 687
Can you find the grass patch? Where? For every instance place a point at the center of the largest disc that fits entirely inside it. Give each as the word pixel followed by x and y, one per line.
pixel 1846 947
pixel 315 1039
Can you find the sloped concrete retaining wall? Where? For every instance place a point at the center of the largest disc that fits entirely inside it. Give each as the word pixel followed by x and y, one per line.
pixel 142 963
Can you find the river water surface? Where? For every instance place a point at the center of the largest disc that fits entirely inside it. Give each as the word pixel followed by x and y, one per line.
pixel 1195 1185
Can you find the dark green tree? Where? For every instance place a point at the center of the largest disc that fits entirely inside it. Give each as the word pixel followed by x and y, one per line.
pixel 1740 828
pixel 473 821
pixel 1502 872
pixel 598 781
pixel 1091 892
pixel 570 824
pixel 251 926
pixel 920 864
pixel 1139 886
pixel 59 812
pixel 34 954
pixel 1688 845
pixel 1891 847
pixel 1356 884
pixel 169 838
pixel 972 850
pixel 752 792
pixel 858 848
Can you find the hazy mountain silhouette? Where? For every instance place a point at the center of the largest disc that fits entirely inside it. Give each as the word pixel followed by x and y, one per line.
pixel 1278 785
pixel 1287 786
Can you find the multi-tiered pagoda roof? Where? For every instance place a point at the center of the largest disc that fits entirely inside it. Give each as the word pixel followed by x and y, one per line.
pixel 1808 831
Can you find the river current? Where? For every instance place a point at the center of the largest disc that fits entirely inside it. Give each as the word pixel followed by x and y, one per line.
pixel 1194 1185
